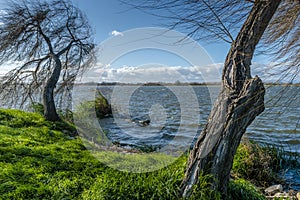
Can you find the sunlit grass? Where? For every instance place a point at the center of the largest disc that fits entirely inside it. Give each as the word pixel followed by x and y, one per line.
pixel 39 161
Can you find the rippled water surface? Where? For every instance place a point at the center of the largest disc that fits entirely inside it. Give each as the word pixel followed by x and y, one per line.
pixel 177 115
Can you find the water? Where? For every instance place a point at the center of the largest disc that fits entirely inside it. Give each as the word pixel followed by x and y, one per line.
pixel 279 123
pixel 176 120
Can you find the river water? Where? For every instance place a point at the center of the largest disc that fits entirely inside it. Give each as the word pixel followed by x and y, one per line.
pixel 177 115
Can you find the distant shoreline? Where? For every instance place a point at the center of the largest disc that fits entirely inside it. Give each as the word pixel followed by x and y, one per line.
pixel 174 84
pixel 146 84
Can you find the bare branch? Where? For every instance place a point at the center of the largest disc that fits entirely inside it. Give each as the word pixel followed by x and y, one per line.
pixel 281 41
pixel 204 20
pixel 40 34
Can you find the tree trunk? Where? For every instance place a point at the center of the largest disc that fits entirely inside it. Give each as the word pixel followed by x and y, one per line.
pixel 241 99
pixel 48 95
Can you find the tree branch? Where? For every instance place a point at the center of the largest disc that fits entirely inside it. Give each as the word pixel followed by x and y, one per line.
pixel 47 40
pixel 219 20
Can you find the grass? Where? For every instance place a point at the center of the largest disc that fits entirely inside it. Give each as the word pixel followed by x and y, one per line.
pixel 242 188
pixel 261 164
pixel 161 184
pixel 39 161
pixel 257 164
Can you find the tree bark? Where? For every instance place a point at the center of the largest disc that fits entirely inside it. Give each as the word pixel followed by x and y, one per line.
pixel 50 112
pixel 241 99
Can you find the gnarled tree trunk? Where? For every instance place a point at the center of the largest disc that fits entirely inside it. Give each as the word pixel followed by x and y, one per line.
pixel 241 99
pixel 50 112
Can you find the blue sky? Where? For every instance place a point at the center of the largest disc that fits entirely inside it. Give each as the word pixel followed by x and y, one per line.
pixel 111 18
pixel 107 16
pixel 111 15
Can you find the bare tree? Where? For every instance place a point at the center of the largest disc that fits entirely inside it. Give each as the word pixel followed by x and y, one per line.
pixel 51 41
pixel 242 24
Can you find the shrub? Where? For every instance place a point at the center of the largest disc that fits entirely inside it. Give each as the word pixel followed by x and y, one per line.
pixel 256 163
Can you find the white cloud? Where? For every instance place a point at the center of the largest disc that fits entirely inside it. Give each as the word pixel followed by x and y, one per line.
pixel 2 12
pixel 171 74
pixel 158 73
pixel 6 67
pixel 273 72
pixel 116 33
pixel 3 72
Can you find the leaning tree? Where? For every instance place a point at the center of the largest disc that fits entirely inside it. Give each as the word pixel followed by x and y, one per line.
pixel 241 99
pixel 49 42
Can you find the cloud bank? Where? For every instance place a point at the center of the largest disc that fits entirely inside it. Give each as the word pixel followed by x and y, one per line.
pixel 170 74
pixel 156 73
pixel 2 12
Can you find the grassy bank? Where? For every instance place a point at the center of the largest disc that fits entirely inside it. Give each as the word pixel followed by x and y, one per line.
pixel 38 161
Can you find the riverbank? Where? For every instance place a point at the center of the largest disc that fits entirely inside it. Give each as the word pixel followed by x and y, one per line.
pixel 39 160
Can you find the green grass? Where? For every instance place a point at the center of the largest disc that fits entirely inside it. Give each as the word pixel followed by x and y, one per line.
pixel 161 184
pixel 242 188
pixel 39 161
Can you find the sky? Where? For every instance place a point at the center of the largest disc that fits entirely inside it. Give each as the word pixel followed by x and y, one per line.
pixel 110 17
pixel 111 20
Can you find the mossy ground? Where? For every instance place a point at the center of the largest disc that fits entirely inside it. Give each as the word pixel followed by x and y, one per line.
pixel 39 161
